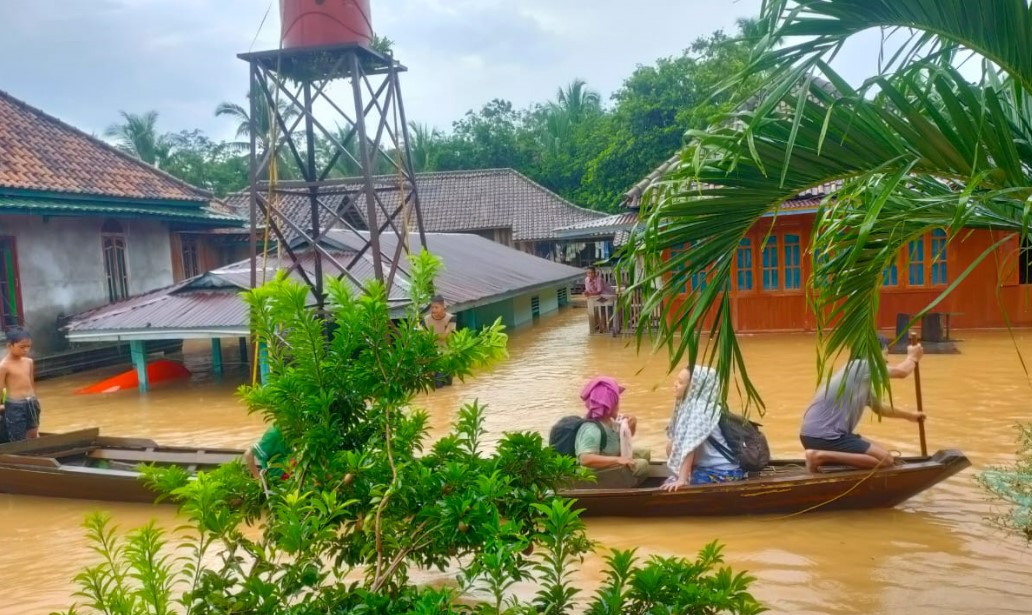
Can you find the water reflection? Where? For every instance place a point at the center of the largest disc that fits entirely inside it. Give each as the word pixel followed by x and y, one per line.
pixel 934 554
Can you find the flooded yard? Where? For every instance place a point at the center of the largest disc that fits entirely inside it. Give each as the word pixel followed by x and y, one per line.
pixel 933 555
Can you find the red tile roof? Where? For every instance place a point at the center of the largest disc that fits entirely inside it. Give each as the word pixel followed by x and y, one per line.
pixel 41 153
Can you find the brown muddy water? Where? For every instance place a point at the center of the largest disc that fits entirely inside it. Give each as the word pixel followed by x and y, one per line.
pixel 933 555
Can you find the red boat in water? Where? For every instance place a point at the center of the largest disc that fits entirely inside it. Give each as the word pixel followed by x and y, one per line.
pixel 162 370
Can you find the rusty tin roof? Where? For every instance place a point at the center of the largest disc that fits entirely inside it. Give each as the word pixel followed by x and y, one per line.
pixel 476 272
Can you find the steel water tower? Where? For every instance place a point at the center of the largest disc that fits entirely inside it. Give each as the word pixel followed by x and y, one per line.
pixel 361 128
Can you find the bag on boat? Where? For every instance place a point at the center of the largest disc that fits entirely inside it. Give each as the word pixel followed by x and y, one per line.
pixel 563 436
pixel 746 444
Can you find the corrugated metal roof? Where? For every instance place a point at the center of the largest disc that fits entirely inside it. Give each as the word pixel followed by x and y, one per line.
pixel 476 271
pixel 601 226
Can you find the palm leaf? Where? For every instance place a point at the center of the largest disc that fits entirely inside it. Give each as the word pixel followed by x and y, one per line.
pixel 928 150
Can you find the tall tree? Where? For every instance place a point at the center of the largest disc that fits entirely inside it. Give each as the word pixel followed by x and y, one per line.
pixel 497 136
pixel 138 136
pixel 656 106
pixel 576 101
pixel 201 162
pixel 916 147
pixel 425 146
pixel 262 122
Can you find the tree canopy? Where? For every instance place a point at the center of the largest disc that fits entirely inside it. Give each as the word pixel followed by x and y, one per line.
pixel 588 150
pixel 914 148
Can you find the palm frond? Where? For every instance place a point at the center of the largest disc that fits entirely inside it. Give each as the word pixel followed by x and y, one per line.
pixel 913 151
pixel 997 30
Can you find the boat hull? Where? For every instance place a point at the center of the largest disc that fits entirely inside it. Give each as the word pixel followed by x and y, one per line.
pixel 66 465
pixel 85 465
pixel 791 492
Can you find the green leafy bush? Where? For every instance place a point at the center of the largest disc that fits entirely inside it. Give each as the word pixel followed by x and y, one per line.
pixel 1013 486
pixel 367 499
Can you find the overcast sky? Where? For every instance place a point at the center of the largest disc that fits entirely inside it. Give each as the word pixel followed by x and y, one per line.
pixel 84 60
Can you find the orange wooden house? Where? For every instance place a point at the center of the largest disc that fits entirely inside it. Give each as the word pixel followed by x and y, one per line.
pixel 769 279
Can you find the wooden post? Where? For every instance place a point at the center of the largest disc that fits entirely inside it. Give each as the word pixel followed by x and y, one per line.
pixel 216 356
pixel 920 401
pixel 139 355
pixel 243 351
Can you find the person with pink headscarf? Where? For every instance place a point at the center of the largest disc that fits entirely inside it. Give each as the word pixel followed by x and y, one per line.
pixel 603 441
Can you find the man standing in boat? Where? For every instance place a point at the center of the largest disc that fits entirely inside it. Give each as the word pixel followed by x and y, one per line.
pixel 829 422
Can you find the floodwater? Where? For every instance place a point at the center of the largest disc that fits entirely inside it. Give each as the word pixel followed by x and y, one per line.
pixel 932 555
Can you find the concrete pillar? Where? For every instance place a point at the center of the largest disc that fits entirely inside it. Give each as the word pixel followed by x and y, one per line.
pixel 139 355
pixel 263 362
pixel 216 356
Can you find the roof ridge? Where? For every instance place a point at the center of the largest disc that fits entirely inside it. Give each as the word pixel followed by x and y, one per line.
pixel 557 195
pixel 201 193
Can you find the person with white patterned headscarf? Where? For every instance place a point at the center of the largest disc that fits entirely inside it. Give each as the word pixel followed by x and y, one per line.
pixel 692 456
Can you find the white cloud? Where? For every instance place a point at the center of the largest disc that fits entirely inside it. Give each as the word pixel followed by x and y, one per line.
pixel 85 61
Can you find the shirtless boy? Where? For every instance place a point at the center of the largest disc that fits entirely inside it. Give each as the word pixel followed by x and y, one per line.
pixel 18 377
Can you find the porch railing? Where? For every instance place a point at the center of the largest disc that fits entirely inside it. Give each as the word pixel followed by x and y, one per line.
pixel 621 312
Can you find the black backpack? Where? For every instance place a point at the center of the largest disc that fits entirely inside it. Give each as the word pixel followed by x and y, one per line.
pixel 563 435
pixel 746 444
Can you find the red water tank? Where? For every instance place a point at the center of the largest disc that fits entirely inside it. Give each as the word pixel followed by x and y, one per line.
pixel 310 23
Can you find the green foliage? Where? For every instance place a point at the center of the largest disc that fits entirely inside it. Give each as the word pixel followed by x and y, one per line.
pixel 1012 485
pixel 201 162
pixel 572 145
pixel 137 135
pixel 916 147
pixel 673 585
pixel 365 499
pixel 592 155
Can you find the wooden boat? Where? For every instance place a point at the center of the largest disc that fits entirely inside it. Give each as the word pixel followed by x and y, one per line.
pixel 783 488
pixel 83 464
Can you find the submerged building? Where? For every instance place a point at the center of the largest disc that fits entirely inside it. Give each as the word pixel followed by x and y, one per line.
pixel 481 281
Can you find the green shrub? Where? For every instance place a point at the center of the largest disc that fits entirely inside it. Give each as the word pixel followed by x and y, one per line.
pixel 1013 486
pixel 368 499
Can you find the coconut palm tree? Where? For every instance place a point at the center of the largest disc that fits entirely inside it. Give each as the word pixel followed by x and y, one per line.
pixel 425 147
pixel 262 121
pixel 137 135
pixel 263 124
pixel 572 105
pixel 577 101
pixel 914 148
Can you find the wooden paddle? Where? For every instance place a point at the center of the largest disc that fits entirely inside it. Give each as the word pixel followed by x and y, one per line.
pixel 920 404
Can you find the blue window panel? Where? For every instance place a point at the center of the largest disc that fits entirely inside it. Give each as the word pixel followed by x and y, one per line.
pixel 770 265
pixel 744 263
pixel 916 262
pixel 939 257
pixel 699 281
pixel 890 275
pixel 677 277
pixel 793 262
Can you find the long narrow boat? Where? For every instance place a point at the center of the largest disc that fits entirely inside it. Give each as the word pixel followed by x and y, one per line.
pixel 83 464
pixel 783 488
